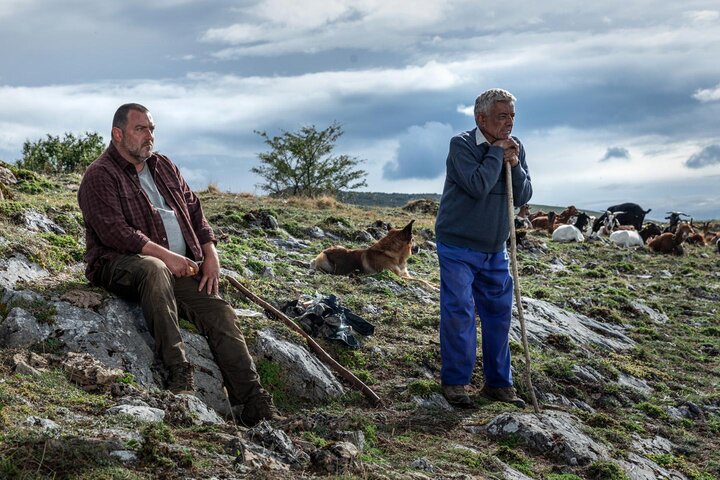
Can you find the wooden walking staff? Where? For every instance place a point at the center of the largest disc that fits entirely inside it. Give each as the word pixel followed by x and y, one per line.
pixel 324 356
pixel 516 284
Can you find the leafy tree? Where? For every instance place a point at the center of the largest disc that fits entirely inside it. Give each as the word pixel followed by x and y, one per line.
pixel 66 155
pixel 301 163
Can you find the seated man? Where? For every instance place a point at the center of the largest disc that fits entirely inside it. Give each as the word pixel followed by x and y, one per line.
pixel 147 239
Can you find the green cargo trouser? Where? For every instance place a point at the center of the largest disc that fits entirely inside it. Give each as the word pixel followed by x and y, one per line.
pixel 162 295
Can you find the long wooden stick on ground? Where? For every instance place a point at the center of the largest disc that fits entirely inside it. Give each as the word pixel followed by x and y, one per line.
pixel 516 283
pixel 324 356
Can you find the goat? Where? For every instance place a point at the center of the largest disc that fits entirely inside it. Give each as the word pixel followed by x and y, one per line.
pixel 627 238
pixel 567 233
pixel 709 235
pixel 534 215
pixel 581 221
pixel 696 238
pixel 564 216
pixel 544 223
pixel 610 223
pixel 521 219
pixel 650 230
pixel 626 214
pixel 670 242
pixel 674 220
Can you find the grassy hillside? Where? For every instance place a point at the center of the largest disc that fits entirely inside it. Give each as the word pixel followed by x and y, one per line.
pixel 679 359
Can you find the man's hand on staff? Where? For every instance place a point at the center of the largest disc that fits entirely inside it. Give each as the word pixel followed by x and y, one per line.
pixel 510 150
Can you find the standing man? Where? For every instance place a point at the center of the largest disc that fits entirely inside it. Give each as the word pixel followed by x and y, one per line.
pixel 147 239
pixel 472 228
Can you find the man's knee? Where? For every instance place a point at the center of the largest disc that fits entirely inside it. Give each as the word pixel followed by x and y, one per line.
pixel 153 268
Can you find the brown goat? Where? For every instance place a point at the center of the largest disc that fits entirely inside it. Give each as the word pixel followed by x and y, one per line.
pixel 544 223
pixel 537 214
pixel 671 242
pixel 564 216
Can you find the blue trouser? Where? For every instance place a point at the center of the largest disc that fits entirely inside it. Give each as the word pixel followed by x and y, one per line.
pixel 470 281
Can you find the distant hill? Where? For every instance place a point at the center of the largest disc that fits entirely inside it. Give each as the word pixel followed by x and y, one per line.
pixel 380 199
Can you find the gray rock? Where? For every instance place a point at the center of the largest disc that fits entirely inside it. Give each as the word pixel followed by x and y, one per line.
pixel 43 424
pixel 276 441
pixel 432 401
pixel 143 414
pixel 423 464
pixel 512 474
pixel 38 222
pixel 356 437
pixel 117 337
pixel 316 232
pixel 637 384
pixel 364 236
pixel 551 432
pixel 655 316
pixel 543 319
pixel 335 458
pixel 305 376
pixel 272 222
pixel 127 457
pixel 200 412
pixel 21 329
pixel 24 369
pixel 641 468
pixel 587 374
pixel 7 177
pixel 17 268
pixel 291 243
pixel 655 445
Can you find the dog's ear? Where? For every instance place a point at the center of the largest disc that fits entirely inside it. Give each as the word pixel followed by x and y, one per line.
pixel 407 231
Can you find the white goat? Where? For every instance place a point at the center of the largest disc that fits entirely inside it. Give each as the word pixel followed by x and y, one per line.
pixel 588 228
pixel 567 233
pixel 627 238
pixel 609 224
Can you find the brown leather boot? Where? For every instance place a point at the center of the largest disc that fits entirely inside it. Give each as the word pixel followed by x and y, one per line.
pixel 506 395
pixel 457 396
pixel 259 407
pixel 181 379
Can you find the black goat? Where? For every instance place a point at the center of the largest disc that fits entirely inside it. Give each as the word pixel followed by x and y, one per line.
pixel 674 219
pixel 650 230
pixel 626 214
pixel 581 221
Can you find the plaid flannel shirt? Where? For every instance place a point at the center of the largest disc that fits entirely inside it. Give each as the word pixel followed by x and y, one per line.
pixel 119 218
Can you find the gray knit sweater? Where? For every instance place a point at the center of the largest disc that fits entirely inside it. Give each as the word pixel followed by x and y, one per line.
pixel 473 208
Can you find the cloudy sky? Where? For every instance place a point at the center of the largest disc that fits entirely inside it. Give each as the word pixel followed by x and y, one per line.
pixel 617 100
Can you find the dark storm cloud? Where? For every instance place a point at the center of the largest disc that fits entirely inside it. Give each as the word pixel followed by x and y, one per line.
pixel 709 155
pixel 616 152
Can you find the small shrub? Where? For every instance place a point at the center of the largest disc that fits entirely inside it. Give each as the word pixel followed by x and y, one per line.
pixel 423 387
pixel 652 410
pixel 711 331
pixel 606 470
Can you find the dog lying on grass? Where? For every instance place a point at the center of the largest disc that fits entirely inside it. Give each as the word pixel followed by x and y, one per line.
pixel 389 253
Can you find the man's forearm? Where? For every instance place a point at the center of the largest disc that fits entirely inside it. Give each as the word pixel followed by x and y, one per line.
pixel 154 250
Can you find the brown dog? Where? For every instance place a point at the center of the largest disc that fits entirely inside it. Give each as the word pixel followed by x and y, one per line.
pixel 389 253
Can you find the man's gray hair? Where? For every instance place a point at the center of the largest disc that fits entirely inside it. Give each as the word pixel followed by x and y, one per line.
pixel 485 101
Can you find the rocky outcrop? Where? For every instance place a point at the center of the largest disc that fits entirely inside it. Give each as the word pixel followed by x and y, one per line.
pixel 560 435
pixel 305 377
pixel 543 319
pixel 117 337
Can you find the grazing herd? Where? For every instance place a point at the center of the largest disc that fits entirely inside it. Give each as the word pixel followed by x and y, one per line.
pixel 622 225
